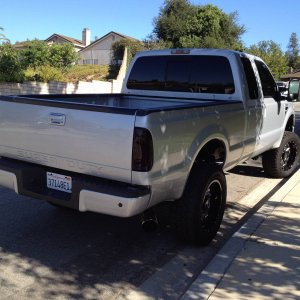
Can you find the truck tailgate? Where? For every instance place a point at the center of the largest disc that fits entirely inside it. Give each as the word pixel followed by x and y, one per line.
pixel 87 142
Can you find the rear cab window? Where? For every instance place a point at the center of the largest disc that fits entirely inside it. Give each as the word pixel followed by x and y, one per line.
pixel 181 73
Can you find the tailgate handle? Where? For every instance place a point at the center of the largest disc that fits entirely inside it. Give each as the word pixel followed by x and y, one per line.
pixel 57 119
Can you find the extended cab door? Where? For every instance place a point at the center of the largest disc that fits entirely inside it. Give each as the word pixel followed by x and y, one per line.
pixel 273 111
pixel 254 108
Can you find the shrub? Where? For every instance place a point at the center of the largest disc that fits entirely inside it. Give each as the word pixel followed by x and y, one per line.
pixel 34 54
pixel 118 48
pixel 10 66
pixel 133 47
pixel 62 56
pixel 86 73
pixel 74 74
pixel 44 74
pixel 37 53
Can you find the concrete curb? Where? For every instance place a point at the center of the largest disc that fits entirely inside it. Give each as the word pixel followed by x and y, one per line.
pixel 207 281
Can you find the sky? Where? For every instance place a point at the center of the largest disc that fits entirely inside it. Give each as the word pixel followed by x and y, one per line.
pixel 263 19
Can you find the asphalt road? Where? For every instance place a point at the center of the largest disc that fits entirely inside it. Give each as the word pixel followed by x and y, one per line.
pixel 51 253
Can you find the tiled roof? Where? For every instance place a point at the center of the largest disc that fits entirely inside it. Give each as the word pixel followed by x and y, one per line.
pixel 295 74
pixel 67 38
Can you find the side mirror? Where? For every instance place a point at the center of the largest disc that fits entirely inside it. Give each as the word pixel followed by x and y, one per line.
pixel 293 90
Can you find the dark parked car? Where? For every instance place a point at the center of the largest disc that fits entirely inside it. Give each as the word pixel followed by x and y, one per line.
pixel 283 87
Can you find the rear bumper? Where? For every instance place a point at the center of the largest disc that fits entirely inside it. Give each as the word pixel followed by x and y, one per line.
pixel 88 193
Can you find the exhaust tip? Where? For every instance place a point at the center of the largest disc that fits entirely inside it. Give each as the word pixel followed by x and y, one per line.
pixel 149 221
pixel 149 225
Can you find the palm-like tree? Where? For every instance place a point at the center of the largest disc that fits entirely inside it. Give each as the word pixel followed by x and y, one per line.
pixel 2 36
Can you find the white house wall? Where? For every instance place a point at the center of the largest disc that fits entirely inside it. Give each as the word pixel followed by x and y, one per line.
pixel 100 53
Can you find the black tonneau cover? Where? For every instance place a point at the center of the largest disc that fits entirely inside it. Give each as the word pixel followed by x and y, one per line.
pixel 114 103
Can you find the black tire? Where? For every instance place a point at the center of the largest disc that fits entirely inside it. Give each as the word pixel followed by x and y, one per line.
pixel 200 210
pixel 282 162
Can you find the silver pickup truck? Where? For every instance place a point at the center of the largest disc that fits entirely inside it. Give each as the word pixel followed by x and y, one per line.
pixel 183 118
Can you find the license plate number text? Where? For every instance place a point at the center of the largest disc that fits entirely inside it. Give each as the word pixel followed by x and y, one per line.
pixel 59 182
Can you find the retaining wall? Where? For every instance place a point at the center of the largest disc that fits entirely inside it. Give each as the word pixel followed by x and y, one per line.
pixel 54 87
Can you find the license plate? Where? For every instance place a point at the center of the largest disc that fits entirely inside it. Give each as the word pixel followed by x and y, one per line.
pixel 59 182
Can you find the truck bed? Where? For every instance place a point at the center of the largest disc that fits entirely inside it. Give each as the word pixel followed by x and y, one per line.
pixel 88 134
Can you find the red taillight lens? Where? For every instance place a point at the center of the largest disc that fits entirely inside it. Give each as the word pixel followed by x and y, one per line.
pixel 142 150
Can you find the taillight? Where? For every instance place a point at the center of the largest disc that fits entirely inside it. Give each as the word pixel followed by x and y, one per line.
pixel 142 150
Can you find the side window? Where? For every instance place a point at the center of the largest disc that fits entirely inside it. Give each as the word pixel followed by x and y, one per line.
pixel 267 81
pixel 211 74
pixel 250 77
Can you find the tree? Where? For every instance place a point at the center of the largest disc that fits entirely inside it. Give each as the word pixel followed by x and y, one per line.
pixel 38 53
pixel 182 24
pixel 2 36
pixel 273 56
pixel 35 54
pixel 133 46
pixel 10 66
pixel 62 56
pixel 170 24
pixel 293 52
pixel 118 48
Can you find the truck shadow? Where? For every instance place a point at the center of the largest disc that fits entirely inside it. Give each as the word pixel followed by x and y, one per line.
pixel 249 168
pixel 48 252
pixel 249 171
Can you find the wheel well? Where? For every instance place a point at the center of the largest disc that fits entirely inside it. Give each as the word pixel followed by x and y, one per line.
pixel 290 125
pixel 214 151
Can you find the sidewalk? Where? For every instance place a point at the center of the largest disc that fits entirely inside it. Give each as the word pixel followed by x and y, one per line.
pixel 262 259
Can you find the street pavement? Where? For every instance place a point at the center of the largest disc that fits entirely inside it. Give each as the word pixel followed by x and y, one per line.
pixel 262 259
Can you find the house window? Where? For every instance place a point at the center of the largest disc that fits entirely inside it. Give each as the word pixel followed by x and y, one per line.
pixel 87 61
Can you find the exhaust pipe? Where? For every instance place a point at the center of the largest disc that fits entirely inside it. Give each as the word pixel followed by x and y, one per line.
pixel 149 220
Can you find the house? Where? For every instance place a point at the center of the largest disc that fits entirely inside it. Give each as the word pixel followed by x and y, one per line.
pixel 61 39
pixel 100 51
pixel 78 44
pixel 292 75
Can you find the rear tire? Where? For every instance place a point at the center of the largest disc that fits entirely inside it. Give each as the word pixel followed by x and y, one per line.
pixel 201 208
pixel 283 161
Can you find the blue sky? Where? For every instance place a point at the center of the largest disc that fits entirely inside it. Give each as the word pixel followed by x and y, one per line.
pixel 22 20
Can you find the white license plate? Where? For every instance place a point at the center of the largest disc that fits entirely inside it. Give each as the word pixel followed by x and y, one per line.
pixel 59 182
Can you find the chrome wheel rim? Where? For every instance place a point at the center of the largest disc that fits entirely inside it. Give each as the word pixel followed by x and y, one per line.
pixel 288 156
